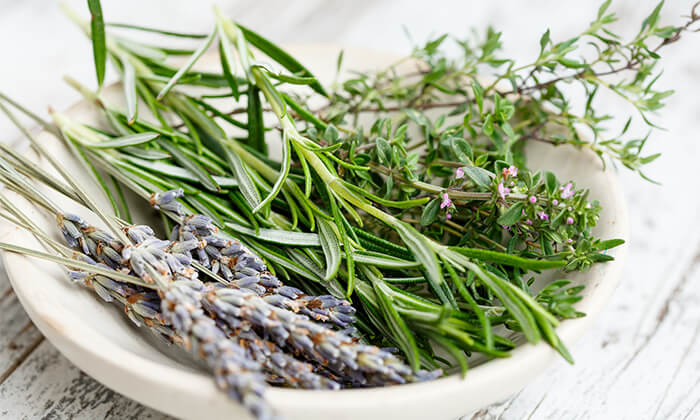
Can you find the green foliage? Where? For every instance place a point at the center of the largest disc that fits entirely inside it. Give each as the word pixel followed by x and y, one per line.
pixel 430 205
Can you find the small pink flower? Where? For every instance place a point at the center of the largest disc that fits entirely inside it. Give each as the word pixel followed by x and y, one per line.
pixel 459 173
pixel 542 215
pixel 555 202
pixel 511 171
pixel 506 227
pixel 503 191
pixel 567 191
pixel 569 220
pixel 528 222
pixel 448 216
pixel 569 208
pixel 522 212
pixel 588 206
pixel 570 240
pixel 446 202
pixel 532 199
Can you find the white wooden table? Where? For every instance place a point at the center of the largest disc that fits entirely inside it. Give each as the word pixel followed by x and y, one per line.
pixel 640 361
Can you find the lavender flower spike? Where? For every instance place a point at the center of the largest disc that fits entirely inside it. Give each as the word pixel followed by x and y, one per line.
pixel 175 312
pixel 229 258
pixel 234 372
pixel 181 294
pixel 367 365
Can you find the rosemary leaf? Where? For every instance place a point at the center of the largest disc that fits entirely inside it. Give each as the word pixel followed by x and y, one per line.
pixel 188 65
pixel 99 43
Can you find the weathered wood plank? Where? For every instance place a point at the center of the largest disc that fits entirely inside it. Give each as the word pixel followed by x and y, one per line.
pixel 618 376
pixel 48 386
pixel 18 336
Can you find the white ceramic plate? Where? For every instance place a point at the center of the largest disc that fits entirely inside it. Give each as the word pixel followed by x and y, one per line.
pixel 102 342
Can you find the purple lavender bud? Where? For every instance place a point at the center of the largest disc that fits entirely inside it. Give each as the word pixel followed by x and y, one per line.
pixel 233 249
pixel 349 331
pixel 174 263
pixel 174 207
pixel 200 221
pixel 83 245
pixel 102 292
pixel 115 286
pixel 217 241
pixel 277 300
pixel 137 264
pixel 166 201
pixel 86 259
pixel 268 280
pixel 75 219
pixel 171 195
pixel 184 246
pixel 341 319
pixel 184 259
pixel 212 251
pixel 136 235
pixel 328 301
pixel 92 247
pixel 70 240
pixel 72 230
pixel 132 315
pixel 144 310
pixel 112 254
pixel 102 236
pixel 290 292
pixel 188 236
pixel 175 233
pixel 203 258
pixel 77 275
pixel 240 271
pixel 226 272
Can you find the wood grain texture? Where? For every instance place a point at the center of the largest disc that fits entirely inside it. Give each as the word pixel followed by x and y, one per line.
pixel 639 361
pixel 48 386
pixel 19 337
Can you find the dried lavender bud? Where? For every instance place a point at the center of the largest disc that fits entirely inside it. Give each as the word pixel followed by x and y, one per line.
pixel 379 366
pixel 369 365
pixel 236 374
pixel 143 307
pixel 167 201
pixel 178 316
pixel 233 261
pixel 281 367
pixel 154 261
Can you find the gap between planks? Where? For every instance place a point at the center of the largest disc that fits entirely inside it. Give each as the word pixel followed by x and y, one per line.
pixel 25 340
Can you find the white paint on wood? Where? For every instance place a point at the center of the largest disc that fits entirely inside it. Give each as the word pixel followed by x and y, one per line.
pixel 48 386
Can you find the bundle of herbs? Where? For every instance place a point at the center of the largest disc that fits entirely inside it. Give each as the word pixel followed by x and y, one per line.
pixel 405 193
